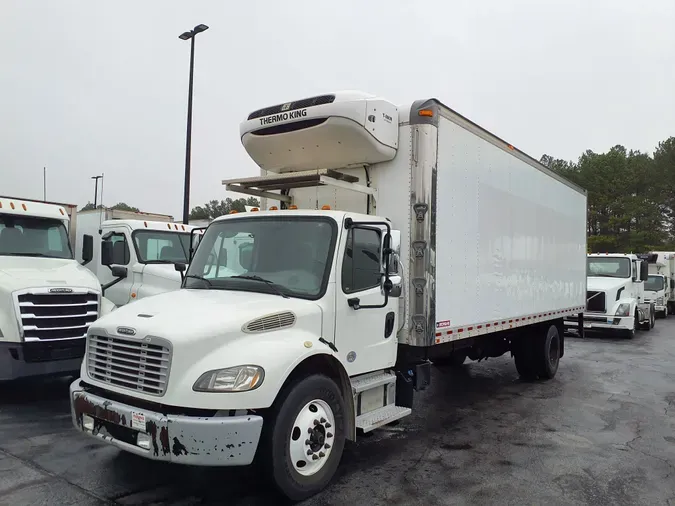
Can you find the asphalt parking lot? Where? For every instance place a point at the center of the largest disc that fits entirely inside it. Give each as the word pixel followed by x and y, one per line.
pixel 602 432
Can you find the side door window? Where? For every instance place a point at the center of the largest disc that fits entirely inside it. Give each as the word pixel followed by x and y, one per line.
pixel 120 249
pixel 361 268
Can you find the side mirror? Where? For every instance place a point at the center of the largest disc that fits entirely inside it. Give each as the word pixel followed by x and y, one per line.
pixel 106 253
pixel 392 286
pixel 644 270
pixel 180 268
pixel 119 271
pixel 87 249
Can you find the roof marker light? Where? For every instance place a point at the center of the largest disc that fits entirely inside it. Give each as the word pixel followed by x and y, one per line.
pixel 325 207
pixel 11 204
pixel 292 206
pixel 274 208
pixel 24 207
pixel 254 209
pixel 426 112
pixel 234 211
pixel 146 224
pixel 168 225
pixel 61 209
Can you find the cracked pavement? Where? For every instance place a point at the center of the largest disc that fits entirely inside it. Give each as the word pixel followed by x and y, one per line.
pixel 602 432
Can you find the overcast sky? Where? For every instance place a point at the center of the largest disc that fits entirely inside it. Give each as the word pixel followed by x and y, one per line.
pixel 101 87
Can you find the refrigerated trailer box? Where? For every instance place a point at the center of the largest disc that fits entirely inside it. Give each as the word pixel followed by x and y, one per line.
pixel 392 236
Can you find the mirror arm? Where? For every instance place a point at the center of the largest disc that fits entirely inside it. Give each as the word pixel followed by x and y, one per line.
pixel 108 285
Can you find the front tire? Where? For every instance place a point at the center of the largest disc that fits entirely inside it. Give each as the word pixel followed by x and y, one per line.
pixel 303 441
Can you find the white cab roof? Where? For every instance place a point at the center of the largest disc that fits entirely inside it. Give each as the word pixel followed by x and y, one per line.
pixel 150 225
pixel 28 208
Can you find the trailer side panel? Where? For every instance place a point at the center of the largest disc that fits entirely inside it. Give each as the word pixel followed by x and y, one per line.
pixel 511 239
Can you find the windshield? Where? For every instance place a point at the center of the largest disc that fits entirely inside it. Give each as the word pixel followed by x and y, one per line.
pixel 654 283
pixel 612 267
pixel 33 236
pixel 156 246
pixel 291 257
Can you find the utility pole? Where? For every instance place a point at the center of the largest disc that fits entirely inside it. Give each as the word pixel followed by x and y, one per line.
pixel 191 35
pixel 96 178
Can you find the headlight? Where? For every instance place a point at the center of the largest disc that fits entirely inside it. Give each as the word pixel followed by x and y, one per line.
pixel 233 379
pixel 659 301
pixel 623 309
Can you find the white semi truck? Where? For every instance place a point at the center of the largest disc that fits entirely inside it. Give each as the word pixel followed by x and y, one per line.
pixel 47 299
pixel 135 253
pixel 399 234
pixel 660 285
pixel 616 301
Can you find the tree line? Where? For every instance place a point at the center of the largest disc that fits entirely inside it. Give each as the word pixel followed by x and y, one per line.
pixel 631 197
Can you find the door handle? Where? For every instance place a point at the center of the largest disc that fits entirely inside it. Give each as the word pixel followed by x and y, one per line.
pixel 389 324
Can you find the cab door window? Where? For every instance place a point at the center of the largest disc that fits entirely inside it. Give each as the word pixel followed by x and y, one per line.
pixel 361 269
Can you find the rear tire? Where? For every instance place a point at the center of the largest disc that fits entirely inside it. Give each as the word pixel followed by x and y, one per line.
pixel 292 432
pixel 548 353
pixel 538 355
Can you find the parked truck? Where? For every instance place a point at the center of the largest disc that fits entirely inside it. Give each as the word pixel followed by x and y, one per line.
pixel 397 235
pixel 135 253
pixel 47 299
pixel 660 286
pixel 616 301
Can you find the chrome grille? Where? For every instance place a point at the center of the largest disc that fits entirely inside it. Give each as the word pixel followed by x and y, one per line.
pixel 46 316
pixel 270 322
pixel 129 363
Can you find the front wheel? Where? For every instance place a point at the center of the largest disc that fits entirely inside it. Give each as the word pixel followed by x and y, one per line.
pixel 303 441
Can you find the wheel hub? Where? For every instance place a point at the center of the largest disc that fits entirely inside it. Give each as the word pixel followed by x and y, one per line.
pixel 312 437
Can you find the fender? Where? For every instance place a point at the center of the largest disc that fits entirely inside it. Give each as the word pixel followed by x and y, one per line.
pixel 107 306
pixel 278 353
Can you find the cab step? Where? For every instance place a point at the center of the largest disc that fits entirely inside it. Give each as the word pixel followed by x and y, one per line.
pixel 381 416
pixel 373 380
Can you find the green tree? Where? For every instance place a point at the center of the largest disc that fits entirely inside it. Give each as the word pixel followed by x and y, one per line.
pixel 119 206
pixel 215 208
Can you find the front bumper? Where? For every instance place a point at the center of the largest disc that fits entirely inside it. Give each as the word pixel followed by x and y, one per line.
pixel 40 358
pixel 199 441
pixel 601 323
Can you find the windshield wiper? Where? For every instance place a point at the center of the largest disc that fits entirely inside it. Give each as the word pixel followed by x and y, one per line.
pixel 269 283
pixel 39 255
pixel 201 278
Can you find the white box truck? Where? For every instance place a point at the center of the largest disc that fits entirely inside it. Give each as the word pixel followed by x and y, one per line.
pixel 47 299
pixel 134 253
pixel 616 302
pixel 404 233
pixel 660 286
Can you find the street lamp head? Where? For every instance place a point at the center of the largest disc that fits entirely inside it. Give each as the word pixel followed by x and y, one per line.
pixel 185 36
pixel 200 29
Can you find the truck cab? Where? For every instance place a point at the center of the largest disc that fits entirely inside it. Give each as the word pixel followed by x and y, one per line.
pixel 616 300
pixel 134 259
pixel 47 299
pixel 660 286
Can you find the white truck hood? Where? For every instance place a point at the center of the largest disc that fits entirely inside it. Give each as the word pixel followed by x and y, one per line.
pixel 17 273
pixel 190 316
pixel 164 271
pixel 605 284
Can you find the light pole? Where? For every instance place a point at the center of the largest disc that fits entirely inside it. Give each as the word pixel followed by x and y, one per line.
pixel 96 178
pixel 191 35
